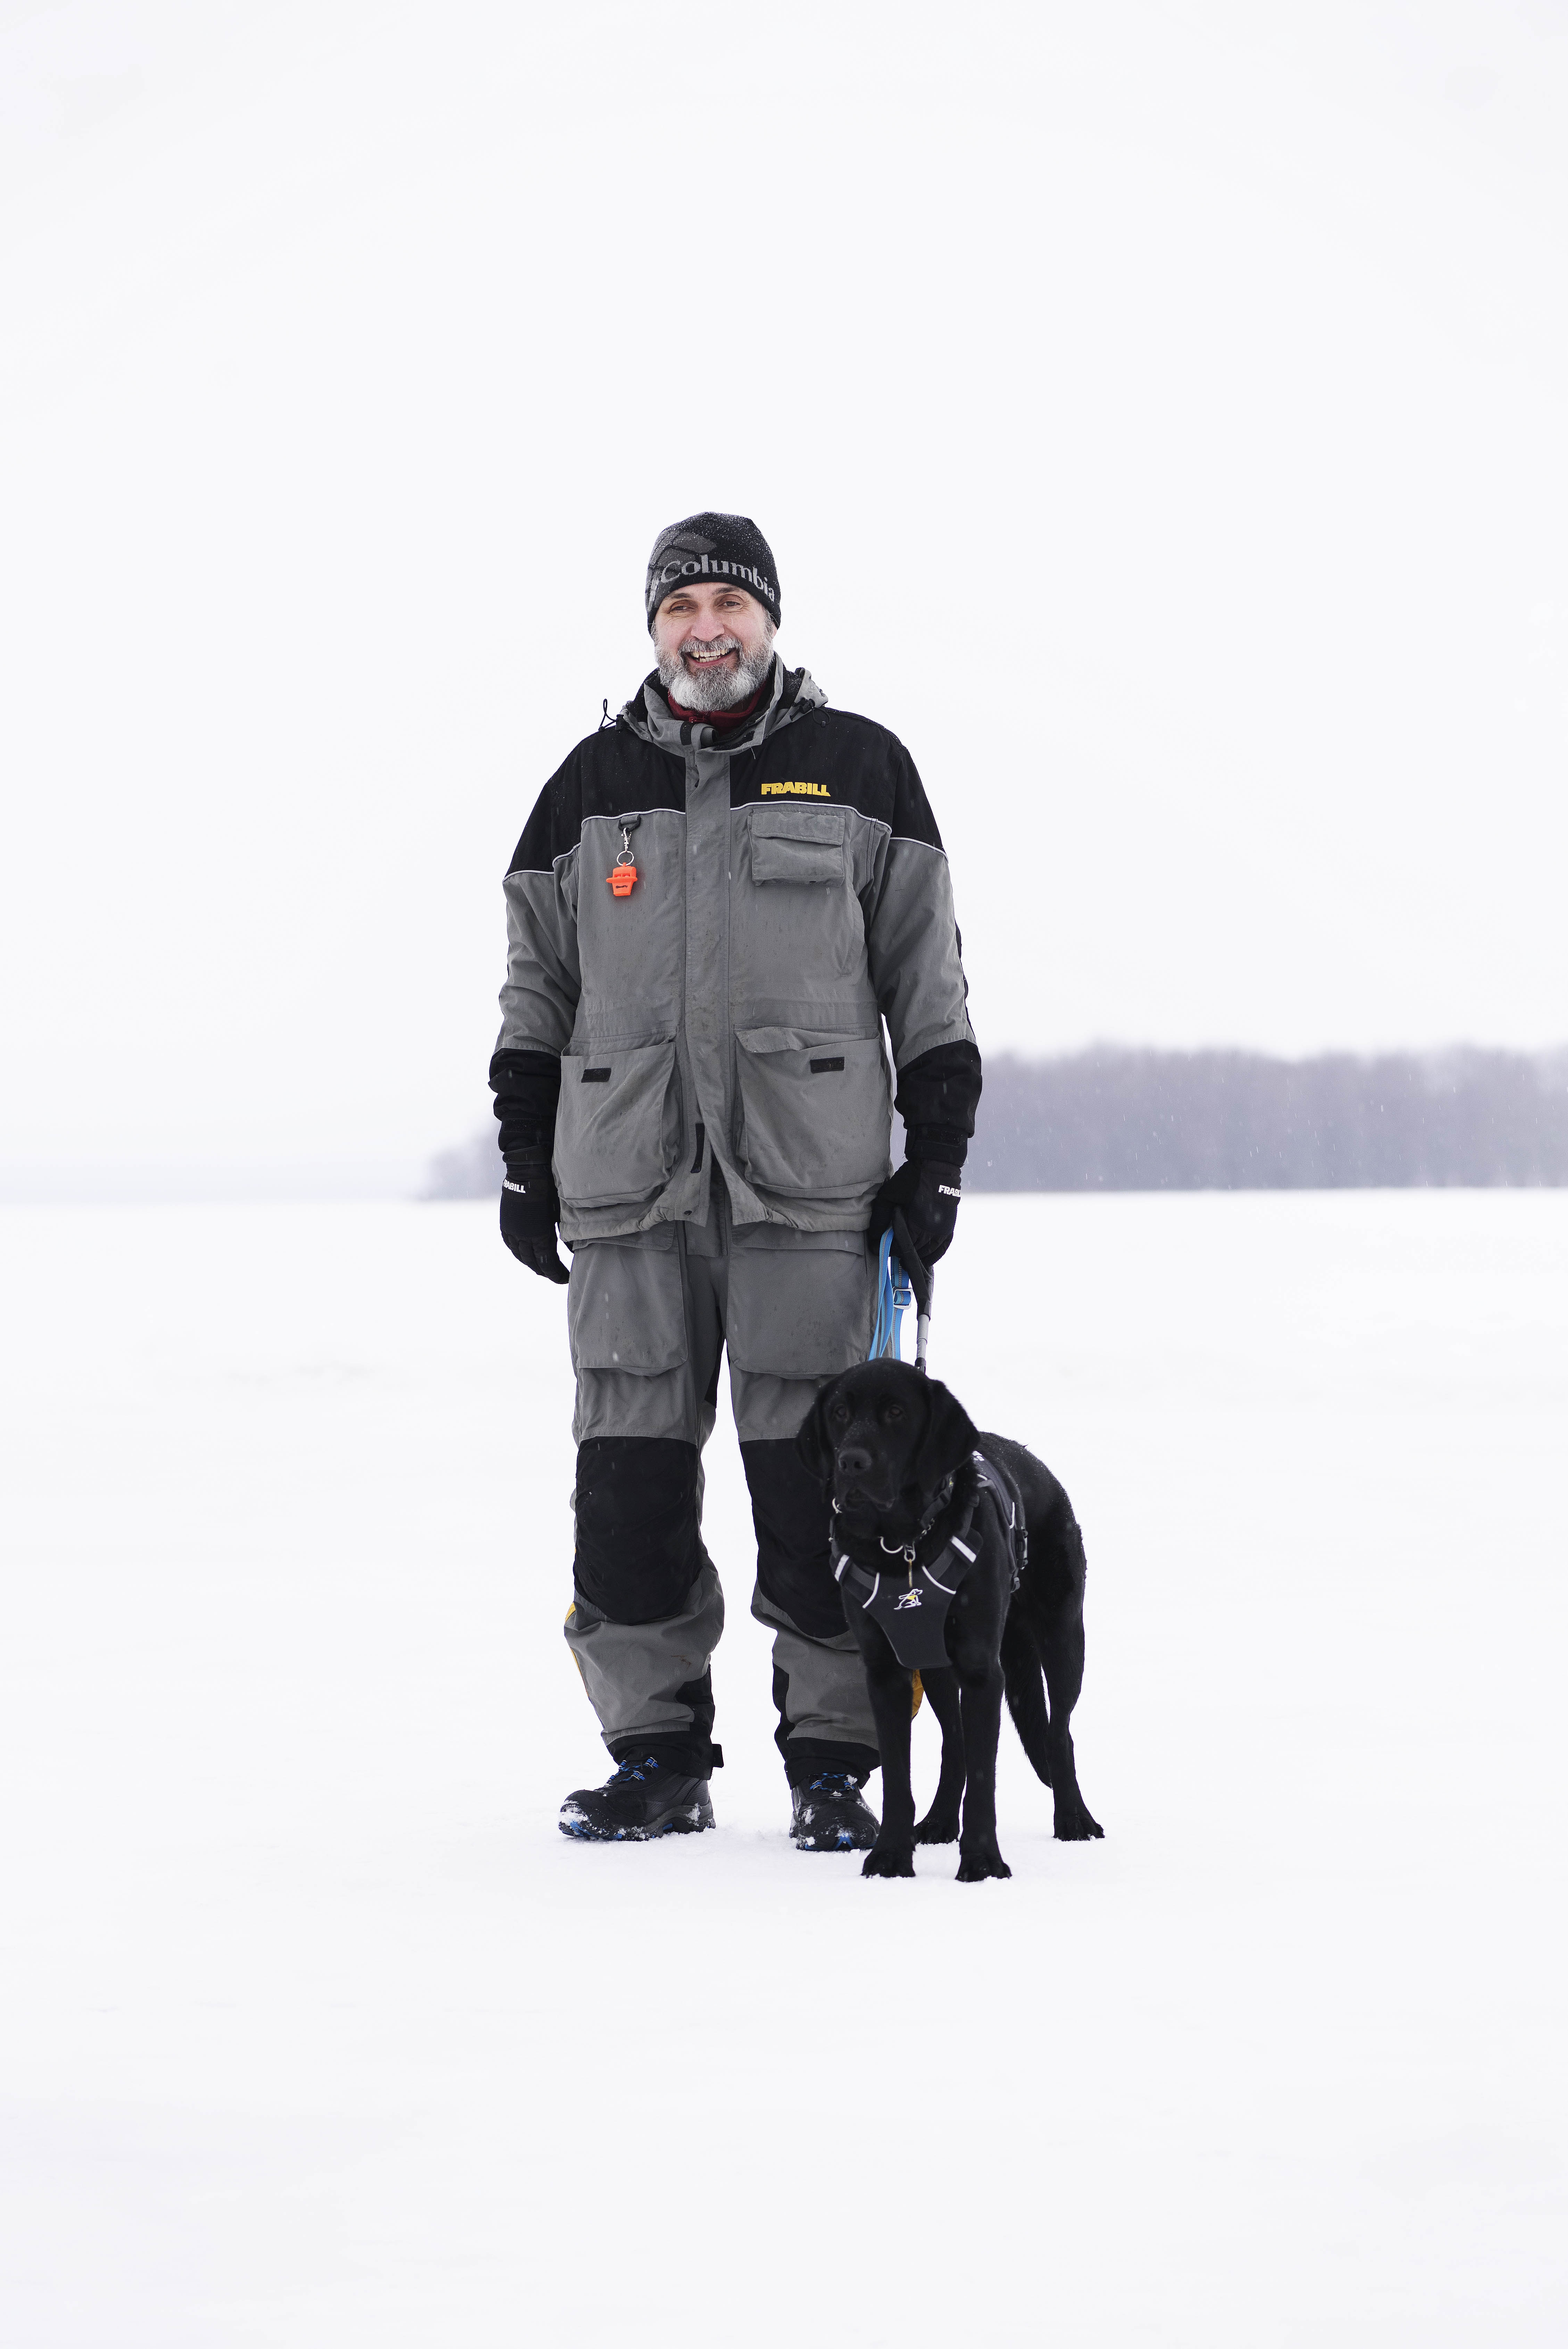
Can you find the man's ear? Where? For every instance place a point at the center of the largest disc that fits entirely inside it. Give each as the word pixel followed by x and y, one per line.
pixel 951 1434
pixel 812 1444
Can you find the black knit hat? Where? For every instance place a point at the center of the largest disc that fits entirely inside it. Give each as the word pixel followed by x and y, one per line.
pixel 713 546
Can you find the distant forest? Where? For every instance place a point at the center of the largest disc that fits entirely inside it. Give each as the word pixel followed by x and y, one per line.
pixel 1119 1119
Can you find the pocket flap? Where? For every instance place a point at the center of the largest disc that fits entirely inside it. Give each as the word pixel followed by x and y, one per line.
pixel 797 824
pixel 799 1040
pixel 797 844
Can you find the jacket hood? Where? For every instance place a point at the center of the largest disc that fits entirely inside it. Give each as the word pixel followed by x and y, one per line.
pixel 787 693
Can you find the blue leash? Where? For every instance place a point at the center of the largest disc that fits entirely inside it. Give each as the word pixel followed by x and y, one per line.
pixel 894 1297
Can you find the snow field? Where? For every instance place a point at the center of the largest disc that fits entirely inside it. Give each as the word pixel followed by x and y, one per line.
pixel 317 2033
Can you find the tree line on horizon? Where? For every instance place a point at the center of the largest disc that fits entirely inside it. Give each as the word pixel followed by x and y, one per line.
pixel 1119 1119
pixel 1123 1118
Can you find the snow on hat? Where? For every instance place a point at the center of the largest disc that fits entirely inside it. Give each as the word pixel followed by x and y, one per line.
pixel 713 546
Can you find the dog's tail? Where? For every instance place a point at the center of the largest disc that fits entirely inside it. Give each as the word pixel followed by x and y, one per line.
pixel 1024 1680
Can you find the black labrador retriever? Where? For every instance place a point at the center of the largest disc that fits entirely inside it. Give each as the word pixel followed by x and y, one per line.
pixel 958 1555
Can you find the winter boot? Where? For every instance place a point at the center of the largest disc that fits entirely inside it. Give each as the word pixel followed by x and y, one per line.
pixel 642 1800
pixel 830 1815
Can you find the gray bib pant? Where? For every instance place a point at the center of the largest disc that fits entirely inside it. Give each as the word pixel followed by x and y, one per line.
pixel 649 1317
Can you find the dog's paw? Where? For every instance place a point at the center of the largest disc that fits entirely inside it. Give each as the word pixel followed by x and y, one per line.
pixel 893 1859
pixel 938 1827
pixel 1074 1824
pixel 975 1867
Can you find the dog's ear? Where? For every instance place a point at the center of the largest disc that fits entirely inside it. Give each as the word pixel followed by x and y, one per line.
pixel 951 1434
pixel 812 1444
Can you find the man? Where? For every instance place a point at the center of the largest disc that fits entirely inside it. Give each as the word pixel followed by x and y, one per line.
pixel 717 904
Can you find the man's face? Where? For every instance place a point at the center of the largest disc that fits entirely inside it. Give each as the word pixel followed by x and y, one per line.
pixel 712 643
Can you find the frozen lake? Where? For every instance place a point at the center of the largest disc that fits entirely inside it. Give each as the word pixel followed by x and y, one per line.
pixel 318 2034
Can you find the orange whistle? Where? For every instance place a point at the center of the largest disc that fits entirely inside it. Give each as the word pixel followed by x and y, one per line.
pixel 624 879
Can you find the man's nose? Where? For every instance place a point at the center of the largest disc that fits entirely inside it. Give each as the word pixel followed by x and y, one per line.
pixel 853 1461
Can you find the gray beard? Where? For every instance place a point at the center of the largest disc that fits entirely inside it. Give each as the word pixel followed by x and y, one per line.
pixel 717 689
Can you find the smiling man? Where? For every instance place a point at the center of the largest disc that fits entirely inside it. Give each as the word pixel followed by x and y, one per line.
pixel 719 905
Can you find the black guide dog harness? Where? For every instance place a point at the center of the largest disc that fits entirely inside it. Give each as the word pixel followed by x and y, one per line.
pixel 909 1600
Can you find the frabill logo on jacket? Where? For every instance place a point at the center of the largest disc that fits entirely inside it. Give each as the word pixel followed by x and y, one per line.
pixel 801 791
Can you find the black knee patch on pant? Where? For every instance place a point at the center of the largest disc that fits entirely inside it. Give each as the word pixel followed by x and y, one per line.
pixel 790 1513
pixel 638 1548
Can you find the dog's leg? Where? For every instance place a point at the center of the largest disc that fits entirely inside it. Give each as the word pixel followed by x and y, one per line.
pixel 980 1683
pixel 1062 1653
pixel 1026 1689
pixel 890 1686
pixel 940 1824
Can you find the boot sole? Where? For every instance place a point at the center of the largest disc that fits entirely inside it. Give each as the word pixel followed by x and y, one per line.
pixel 687 1823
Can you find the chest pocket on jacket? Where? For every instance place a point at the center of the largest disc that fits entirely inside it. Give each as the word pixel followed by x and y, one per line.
pixel 798 845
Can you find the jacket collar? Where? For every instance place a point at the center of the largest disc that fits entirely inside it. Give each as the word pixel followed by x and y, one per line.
pixel 788 694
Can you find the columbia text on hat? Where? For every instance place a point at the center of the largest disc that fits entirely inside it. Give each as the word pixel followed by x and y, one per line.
pixel 713 546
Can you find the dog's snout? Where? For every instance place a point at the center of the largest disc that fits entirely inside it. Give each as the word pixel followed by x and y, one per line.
pixel 852 1461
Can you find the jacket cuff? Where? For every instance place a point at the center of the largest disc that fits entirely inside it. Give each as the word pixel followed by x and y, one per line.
pixel 527 1089
pixel 935 1145
pixel 937 1096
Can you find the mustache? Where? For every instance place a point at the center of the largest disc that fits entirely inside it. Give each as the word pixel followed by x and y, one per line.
pixel 715 673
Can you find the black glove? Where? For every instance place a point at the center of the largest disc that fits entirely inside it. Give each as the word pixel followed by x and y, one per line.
pixel 923 1194
pixel 529 1210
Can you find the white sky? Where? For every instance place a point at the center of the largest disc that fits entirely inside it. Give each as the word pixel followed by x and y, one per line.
pixel 1158 414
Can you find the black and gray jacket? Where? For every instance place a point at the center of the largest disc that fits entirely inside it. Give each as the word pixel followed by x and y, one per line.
pixel 792 899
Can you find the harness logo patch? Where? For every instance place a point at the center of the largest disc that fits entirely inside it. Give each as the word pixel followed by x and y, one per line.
pixel 907 1598
pixel 795 791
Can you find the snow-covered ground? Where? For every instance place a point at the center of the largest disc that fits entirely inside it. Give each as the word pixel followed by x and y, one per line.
pixel 318 2034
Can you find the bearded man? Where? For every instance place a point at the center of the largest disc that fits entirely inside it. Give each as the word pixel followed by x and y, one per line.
pixel 718 904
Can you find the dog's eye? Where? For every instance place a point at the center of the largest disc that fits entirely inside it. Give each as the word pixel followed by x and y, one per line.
pixel 894 1411
pixel 840 1411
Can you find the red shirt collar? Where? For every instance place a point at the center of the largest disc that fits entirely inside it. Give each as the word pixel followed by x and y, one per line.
pixel 722 722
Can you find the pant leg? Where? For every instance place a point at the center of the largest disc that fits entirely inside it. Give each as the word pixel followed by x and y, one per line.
pixel 646 1321
pixel 799 1312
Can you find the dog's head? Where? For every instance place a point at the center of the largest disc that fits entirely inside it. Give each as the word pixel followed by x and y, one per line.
pixel 881 1438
